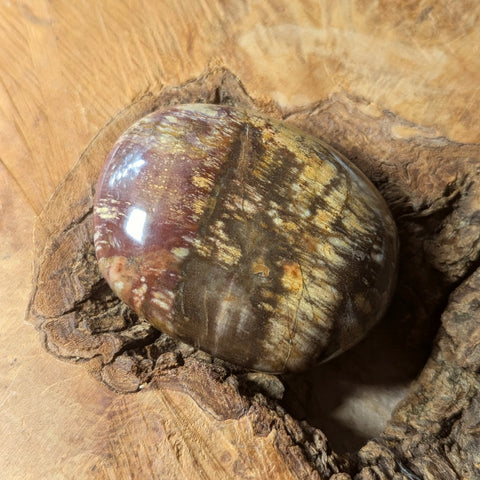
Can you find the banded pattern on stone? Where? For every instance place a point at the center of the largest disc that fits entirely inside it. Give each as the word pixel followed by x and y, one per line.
pixel 244 237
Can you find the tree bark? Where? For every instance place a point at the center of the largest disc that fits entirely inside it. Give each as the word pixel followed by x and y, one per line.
pixel 79 318
pixel 374 83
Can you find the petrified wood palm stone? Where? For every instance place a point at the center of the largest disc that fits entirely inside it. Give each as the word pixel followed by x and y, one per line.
pixel 244 237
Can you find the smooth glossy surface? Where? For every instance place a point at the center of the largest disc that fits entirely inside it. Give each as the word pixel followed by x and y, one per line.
pixel 243 237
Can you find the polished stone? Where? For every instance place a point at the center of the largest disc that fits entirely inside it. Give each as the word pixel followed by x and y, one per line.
pixel 243 237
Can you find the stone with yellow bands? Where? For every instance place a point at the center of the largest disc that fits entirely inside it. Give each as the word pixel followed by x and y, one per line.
pixel 244 237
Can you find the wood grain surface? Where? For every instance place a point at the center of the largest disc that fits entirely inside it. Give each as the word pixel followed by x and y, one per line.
pixel 68 68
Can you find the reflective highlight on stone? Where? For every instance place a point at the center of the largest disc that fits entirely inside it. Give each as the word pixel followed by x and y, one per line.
pixel 243 237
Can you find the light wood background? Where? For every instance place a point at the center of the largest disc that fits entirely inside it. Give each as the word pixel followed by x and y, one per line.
pixel 66 68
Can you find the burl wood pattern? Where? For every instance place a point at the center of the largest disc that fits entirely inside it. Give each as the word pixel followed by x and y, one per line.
pixel 392 85
pixel 80 319
pixel 243 237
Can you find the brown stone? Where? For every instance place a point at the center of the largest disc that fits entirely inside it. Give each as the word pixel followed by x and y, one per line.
pixel 243 237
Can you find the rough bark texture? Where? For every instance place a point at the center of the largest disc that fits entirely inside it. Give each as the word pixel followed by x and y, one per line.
pixel 433 188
